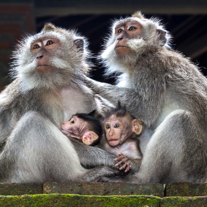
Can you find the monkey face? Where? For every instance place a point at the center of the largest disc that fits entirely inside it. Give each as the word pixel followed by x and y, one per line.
pixel 117 130
pixel 75 127
pixel 124 32
pixel 50 59
pixel 43 49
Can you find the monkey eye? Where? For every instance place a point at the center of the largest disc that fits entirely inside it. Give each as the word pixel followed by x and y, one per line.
pixel 120 30
pixel 107 126
pixel 35 46
pixel 116 125
pixel 72 122
pixel 49 42
pixel 132 28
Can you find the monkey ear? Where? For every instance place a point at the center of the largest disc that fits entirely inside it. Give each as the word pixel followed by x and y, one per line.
pixel 79 43
pixel 162 36
pixel 89 137
pixel 136 126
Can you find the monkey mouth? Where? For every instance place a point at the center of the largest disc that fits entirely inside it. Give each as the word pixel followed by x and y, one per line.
pixel 113 140
pixel 43 68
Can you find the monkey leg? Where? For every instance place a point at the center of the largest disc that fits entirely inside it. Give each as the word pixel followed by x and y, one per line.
pixel 176 151
pixel 36 151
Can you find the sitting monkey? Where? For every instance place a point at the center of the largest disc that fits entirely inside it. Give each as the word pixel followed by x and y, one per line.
pixel 121 130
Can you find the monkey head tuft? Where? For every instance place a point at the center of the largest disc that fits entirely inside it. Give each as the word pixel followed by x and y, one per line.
pixel 49 26
pixel 138 14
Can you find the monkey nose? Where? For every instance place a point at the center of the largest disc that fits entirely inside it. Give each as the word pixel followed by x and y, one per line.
pixel 110 133
pixel 39 56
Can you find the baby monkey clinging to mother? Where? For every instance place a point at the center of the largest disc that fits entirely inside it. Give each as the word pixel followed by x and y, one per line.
pixel 120 135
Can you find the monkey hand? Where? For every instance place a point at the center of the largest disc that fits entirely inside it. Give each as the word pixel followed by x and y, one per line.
pixel 94 85
pixel 124 163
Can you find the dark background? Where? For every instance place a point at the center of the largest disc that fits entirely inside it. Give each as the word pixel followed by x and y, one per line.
pixel 185 19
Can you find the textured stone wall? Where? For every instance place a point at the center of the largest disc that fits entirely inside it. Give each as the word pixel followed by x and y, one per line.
pixel 93 194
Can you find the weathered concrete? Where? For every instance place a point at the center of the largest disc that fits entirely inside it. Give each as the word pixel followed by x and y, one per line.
pixel 20 189
pixel 186 189
pixel 94 194
pixel 98 188
pixel 199 201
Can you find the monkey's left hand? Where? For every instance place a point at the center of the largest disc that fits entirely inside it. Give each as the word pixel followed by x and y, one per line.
pixel 124 163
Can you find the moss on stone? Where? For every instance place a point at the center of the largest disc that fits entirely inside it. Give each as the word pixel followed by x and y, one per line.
pixel 60 200
pixel 11 201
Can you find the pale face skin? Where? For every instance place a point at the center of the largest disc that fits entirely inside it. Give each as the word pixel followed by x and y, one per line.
pixel 119 133
pixel 75 127
pixel 123 32
pixel 117 130
pixel 42 48
pixel 79 129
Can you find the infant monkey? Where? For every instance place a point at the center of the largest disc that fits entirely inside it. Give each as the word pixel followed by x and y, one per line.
pixel 120 129
pixel 83 127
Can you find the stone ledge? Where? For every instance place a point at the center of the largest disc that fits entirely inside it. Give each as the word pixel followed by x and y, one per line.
pixel 186 189
pixel 98 188
pixel 93 194
pixel 20 189
pixel 63 200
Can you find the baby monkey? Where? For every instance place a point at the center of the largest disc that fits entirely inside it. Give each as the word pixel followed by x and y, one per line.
pixel 83 127
pixel 120 129
pixel 121 138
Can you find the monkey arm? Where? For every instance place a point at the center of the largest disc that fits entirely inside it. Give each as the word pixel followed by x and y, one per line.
pixel 145 105
pixel 93 156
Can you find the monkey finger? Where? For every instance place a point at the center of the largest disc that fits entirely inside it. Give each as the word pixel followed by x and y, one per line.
pixel 123 166
pixel 120 163
pixel 127 168
pixel 118 158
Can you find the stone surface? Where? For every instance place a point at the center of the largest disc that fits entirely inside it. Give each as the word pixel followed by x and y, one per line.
pixel 98 188
pixel 20 189
pixel 186 189
pixel 199 201
pixel 56 200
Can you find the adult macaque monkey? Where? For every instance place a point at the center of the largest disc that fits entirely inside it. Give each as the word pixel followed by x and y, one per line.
pixel 167 92
pixel 47 91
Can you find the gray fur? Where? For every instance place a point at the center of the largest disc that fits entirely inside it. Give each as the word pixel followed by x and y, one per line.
pixel 169 94
pixel 32 108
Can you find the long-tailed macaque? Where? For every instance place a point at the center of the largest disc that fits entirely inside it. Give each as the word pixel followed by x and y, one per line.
pixel 46 91
pixel 166 91
pixel 120 137
pixel 83 127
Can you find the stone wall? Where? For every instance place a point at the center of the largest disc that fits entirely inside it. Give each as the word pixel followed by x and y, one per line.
pixel 94 194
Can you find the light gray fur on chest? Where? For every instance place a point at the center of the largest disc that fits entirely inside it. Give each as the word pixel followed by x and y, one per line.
pixel 76 100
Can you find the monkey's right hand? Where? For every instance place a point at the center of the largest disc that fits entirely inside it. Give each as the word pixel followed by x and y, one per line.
pixel 124 163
